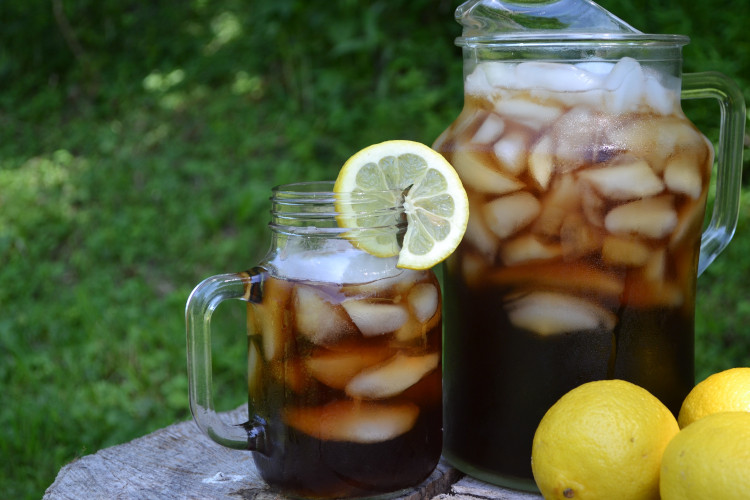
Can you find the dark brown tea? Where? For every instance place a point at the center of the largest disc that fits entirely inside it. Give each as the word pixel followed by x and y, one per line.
pixel 348 380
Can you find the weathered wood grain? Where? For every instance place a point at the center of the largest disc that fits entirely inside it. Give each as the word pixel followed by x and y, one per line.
pixel 468 488
pixel 179 462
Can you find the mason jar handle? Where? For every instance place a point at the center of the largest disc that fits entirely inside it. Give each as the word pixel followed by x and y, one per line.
pixel 726 209
pixel 203 300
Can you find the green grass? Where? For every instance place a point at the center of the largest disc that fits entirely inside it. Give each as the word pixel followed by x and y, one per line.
pixel 723 304
pixel 137 152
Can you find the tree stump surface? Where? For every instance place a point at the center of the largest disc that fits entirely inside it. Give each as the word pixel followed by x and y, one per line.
pixel 180 462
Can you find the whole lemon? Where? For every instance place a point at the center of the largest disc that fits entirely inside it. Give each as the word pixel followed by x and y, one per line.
pixel 603 439
pixel 709 459
pixel 724 391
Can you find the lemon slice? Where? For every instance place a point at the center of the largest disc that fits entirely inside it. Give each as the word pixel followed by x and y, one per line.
pixel 435 203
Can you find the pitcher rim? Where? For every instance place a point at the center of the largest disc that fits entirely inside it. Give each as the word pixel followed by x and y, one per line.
pixel 556 38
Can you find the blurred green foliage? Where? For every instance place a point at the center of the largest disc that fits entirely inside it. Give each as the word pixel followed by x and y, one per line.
pixel 139 141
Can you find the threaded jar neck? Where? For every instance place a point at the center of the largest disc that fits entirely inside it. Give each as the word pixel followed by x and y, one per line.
pixel 313 209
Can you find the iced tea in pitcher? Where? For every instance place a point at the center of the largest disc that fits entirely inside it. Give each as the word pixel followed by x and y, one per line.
pixel 587 190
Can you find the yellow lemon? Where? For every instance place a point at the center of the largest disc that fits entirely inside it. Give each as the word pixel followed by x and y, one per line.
pixel 434 201
pixel 724 391
pixel 709 459
pixel 602 440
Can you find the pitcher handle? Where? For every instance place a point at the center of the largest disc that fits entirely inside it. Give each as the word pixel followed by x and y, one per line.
pixel 726 209
pixel 201 304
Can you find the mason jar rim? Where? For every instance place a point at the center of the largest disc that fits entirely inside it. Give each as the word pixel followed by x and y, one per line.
pixel 323 190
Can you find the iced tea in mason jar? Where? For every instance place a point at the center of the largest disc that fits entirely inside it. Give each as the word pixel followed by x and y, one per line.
pixel 344 355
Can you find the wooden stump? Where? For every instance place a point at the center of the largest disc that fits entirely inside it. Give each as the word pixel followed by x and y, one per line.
pixel 179 462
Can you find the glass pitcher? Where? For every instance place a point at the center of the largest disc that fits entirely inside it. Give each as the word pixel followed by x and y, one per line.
pixel 344 378
pixel 587 188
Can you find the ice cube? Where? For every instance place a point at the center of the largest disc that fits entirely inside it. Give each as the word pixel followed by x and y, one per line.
pixel 578 238
pixel 481 238
pixel 439 143
pixel 529 113
pixel 413 329
pixel 626 181
pixel 541 163
pixel 593 205
pixel 599 69
pixel 637 138
pixel 392 377
pixel 477 83
pixel 423 301
pixel 409 331
pixel 556 77
pixel 274 317
pixel 690 221
pixel 480 177
pixel 508 214
pixel 626 84
pixel 325 265
pixel 375 318
pixel 659 97
pixel 363 267
pixel 490 75
pixel 477 234
pixel 254 325
pixel 624 251
pixel 563 198
pixel 510 151
pixel 335 369
pixel 548 313
pixel 593 99
pixel 318 319
pixel 427 393
pixel 353 421
pixel 571 276
pixel 490 130
pixel 578 139
pixel 466 120
pixel 649 217
pixel 677 134
pixel 473 268
pixel 528 248
pixel 648 286
pixel 655 268
pixel 682 174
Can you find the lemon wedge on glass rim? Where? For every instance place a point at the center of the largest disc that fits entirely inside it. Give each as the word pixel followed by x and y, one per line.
pixel 434 201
